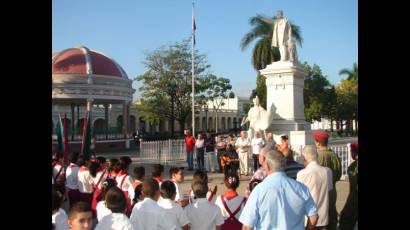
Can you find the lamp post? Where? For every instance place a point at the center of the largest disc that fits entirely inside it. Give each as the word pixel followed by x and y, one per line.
pixel 206 116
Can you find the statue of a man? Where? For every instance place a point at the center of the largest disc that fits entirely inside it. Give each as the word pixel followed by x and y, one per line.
pixel 255 117
pixel 282 38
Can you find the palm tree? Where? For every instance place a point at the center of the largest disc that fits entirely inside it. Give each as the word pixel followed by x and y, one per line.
pixel 352 74
pixel 262 29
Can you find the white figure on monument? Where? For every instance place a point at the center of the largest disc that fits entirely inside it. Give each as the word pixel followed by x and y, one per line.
pixel 282 37
pixel 259 119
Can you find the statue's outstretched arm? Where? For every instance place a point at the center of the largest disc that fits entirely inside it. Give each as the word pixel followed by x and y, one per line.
pixel 244 120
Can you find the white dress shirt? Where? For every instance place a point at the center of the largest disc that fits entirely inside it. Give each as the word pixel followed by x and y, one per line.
pixel 102 210
pixel 71 181
pixel 179 194
pixel 174 212
pixel 319 181
pixel 203 215
pixel 127 185
pixel 59 219
pixel 148 215
pixel 85 181
pixel 257 145
pixel 245 144
pixel 114 221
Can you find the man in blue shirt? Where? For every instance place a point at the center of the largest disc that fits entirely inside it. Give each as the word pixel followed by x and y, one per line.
pixel 279 202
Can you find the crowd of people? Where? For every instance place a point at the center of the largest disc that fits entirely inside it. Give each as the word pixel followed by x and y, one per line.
pixel 281 194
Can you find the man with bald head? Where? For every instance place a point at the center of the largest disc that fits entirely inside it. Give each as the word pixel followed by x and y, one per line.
pixel 242 147
pixel 319 181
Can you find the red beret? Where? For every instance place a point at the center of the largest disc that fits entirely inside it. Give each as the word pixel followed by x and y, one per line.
pixel 320 136
pixel 354 147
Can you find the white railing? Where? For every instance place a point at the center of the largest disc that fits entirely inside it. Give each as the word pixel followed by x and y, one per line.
pixel 343 151
pixel 164 152
pixel 174 152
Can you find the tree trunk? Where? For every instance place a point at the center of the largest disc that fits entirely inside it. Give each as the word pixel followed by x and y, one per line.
pixel 216 121
pixel 331 125
pixel 171 122
pixel 181 127
pixel 341 126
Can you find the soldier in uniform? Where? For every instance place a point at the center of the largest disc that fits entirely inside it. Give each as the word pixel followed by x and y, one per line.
pixel 349 214
pixel 327 158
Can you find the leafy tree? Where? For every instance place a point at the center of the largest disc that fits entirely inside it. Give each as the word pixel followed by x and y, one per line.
pixel 352 74
pixel 315 93
pixel 166 84
pixel 217 89
pixel 347 95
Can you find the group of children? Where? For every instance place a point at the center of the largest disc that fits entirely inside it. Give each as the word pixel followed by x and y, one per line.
pixel 102 195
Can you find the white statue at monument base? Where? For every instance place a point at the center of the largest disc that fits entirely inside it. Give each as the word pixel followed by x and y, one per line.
pixel 259 119
pixel 283 38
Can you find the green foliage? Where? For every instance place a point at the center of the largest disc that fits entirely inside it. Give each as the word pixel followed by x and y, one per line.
pixel 316 93
pixel 261 90
pixel 166 84
pixel 352 74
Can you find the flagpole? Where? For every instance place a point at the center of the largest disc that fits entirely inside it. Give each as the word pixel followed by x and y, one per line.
pixel 193 70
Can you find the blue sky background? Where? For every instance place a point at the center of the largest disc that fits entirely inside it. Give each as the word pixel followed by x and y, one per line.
pixel 126 29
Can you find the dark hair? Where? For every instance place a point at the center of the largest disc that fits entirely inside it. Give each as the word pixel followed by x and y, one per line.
pixel 137 193
pixel 115 200
pixel 232 181
pixel 57 200
pixel 77 208
pixel 74 157
pixel 200 175
pixel 93 167
pixel 81 160
pixel 200 188
pixel 102 160
pixel 149 187
pixel 168 189
pixel 174 170
pixel 57 156
pixel 284 137
pixel 253 184
pixel 111 164
pixel 122 163
pixel 105 186
pixel 157 170
pixel 139 172
pixel 231 135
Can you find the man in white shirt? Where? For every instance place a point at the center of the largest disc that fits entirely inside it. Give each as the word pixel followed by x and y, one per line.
pixel 242 147
pixel 116 202
pixel 173 211
pixel 203 215
pixel 319 181
pixel 270 142
pixel 257 145
pixel 148 215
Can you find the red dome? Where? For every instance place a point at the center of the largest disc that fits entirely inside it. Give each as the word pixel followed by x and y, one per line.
pixel 79 60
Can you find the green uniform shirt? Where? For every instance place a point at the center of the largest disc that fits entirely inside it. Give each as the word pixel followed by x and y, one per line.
pixel 353 172
pixel 327 158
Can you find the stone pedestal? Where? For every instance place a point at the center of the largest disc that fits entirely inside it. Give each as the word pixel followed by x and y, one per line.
pixel 284 85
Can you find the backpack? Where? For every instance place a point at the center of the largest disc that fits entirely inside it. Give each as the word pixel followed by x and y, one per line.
pixel 232 223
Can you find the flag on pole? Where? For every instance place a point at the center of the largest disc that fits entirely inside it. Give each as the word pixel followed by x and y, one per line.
pixel 59 132
pixel 65 139
pixel 86 142
pixel 193 24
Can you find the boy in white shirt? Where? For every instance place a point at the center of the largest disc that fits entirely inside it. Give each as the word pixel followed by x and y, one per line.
pixel 202 214
pixel 71 181
pixel 210 195
pixel 177 176
pixel 117 220
pixel 173 211
pixel 148 215
pixel 80 216
pixel 59 217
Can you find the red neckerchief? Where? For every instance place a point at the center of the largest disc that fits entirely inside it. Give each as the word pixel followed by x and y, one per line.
pixel 83 168
pixel 56 164
pixel 230 194
pixel 158 180
pixel 122 172
pixel 112 174
pixel 73 165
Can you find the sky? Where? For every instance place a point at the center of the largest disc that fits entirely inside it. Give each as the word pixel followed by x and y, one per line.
pixel 128 29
